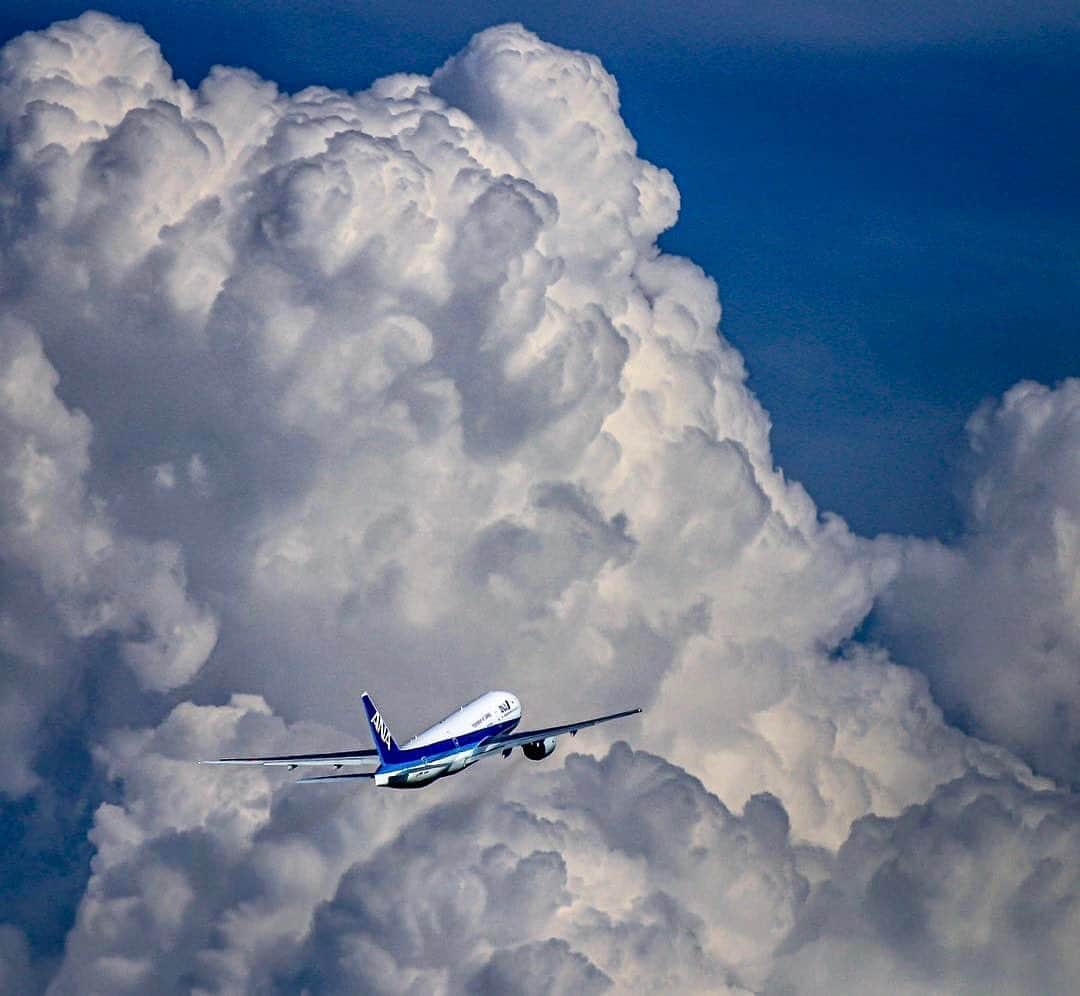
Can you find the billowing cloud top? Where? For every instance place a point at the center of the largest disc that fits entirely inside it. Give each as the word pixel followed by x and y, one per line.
pixel 304 394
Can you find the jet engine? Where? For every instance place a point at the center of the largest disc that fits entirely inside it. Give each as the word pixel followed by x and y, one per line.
pixel 538 749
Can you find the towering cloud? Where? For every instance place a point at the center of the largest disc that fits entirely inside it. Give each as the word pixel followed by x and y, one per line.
pixel 309 393
pixel 995 620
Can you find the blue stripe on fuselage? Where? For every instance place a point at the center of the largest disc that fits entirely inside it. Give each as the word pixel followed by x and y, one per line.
pixel 429 753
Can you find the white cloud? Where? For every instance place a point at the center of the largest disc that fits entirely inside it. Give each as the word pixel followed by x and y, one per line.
pixel 400 385
pixel 994 620
pixel 587 873
pixel 976 891
pixel 75 576
pixel 622 872
pixel 165 476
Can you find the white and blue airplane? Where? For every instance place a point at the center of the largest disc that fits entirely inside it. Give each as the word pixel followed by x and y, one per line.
pixel 483 727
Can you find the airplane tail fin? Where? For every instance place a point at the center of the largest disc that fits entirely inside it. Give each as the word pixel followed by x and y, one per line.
pixel 389 752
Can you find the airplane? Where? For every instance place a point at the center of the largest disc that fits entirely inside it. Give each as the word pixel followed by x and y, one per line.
pixel 478 729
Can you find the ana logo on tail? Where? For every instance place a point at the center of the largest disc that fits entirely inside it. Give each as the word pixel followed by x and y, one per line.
pixel 380 732
pixel 381 728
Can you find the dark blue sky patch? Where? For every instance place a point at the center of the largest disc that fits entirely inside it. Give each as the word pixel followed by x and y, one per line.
pixel 44 850
pixel 894 240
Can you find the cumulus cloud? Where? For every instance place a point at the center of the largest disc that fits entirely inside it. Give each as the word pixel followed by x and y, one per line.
pixel 309 393
pixel 162 909
pixel 64 555
pixel 615 874
pixel 975 891
pixel 994 619
pixel 573 877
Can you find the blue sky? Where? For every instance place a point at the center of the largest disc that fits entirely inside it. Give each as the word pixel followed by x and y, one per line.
pixel 890 205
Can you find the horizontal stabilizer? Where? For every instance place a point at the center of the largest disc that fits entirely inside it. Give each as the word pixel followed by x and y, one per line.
pixel 295 760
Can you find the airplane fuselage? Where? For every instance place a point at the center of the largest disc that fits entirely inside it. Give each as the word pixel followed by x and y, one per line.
pixel 449 746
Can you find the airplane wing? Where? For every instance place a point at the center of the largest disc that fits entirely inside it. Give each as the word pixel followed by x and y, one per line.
pixel 308 779
pixel 515 739
pixel 336 758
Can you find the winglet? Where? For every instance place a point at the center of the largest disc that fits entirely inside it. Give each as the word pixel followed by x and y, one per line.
pixel 389 752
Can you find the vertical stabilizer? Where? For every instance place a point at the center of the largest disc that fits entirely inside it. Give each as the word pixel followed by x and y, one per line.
pixel 389 752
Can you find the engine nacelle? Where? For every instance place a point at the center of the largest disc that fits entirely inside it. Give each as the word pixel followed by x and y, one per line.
pixel 538 749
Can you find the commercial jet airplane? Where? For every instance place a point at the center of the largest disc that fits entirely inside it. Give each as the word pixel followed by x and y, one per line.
pixel 482 727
